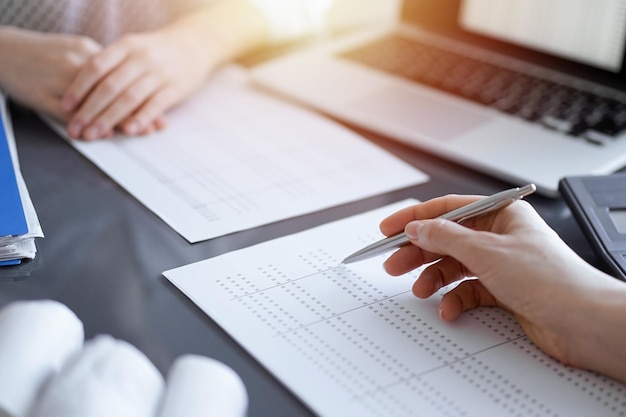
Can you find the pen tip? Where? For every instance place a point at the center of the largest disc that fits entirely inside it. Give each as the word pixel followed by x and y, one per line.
pixel 347 260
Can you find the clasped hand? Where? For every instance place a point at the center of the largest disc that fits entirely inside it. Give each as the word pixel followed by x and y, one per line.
pixel 127 86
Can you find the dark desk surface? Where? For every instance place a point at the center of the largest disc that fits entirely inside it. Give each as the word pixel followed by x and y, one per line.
pixel 104 252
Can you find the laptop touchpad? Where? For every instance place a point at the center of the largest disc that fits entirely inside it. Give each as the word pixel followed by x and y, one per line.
pixel 402 108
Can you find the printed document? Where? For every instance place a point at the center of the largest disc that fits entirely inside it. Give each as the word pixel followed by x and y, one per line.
pixel 232 159
pixel 353 341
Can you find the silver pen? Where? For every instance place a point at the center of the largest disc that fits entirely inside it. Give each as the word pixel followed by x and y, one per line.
pixel 475 209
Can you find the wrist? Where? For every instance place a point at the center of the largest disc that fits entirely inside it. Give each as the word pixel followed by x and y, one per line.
pixel 597 336
pixel 7 33
pixel 10 46
pixel 221 32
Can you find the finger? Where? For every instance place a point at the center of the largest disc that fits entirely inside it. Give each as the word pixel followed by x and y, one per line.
pixel 111 93
pixel 124 104
pixel 50 104
pixel 406 259
pixel 452 239
pixel 437 276
pixel 148 130
pixel 427 210
pixel 108 134
pixel 151 112
pixel 466 296
pixel 159 123
pixel 91 74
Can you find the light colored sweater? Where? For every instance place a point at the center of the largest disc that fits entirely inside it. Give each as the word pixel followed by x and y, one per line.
pixel 106 20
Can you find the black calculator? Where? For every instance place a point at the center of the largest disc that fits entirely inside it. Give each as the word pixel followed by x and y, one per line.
pixel 599 205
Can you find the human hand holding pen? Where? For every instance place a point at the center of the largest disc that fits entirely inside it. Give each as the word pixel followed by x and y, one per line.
pixel 461 214
pixel 522 266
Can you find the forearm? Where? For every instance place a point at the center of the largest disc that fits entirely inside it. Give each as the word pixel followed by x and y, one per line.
pixel 598 324
pixel 222 31
pixel 8 42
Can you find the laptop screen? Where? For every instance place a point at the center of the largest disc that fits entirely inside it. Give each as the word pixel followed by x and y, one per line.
pixel 591 32
pixel 583 37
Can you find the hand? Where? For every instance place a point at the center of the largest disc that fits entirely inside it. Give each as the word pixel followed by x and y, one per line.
pixel 521 266
pixel 37 68
pixel 133 82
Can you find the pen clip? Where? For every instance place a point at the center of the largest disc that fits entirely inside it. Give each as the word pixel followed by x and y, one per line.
pixel 489 204
pixel 495 205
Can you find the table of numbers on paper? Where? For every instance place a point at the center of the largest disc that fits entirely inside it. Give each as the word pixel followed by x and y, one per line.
pixel 233 158
pixel 351 340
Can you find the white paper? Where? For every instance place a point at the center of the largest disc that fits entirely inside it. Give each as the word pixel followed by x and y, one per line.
pixel 108 378
pixel 201 387
pixel 34 227
pixel 232 159
pixel 353 341
pixel 22 246
pixel 36 338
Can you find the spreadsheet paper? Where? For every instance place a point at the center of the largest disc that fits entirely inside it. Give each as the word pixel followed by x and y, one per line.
pixel 349 340
pixel 232 158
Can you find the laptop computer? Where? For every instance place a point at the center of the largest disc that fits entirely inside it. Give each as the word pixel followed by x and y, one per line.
pixel 528 91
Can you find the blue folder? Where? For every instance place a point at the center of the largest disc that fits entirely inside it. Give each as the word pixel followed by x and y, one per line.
pixel 12 218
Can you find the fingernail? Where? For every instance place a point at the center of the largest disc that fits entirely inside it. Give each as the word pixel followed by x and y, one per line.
pixel 74 129
pixel 161 122
pixel 92 133
pixel 412 230
pixel 132 128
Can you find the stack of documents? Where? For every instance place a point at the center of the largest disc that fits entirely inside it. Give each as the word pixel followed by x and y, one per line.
pixel 19 225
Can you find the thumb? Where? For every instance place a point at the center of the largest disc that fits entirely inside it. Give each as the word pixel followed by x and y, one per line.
pixel 445 237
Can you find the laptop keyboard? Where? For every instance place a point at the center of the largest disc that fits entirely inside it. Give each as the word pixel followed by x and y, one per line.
pixel 583 114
